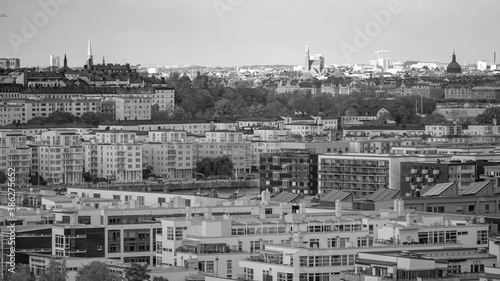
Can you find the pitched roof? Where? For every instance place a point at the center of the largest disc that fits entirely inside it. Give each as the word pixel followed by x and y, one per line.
pixel 386 127
pixel 368 111
pixel 437 190
pixel 475 188
pixel 335 195
pixel 383 194
pixel 286 197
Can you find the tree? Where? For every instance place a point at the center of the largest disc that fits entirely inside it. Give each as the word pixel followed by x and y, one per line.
pixel 434 118
pixel 351 112
pixel 488 115
pixel 91 118
pixel 37 180
pixel 160 278
pixel 3 177
pixel 137 272
pixel 223 108
pixel 60 117
pixel 87 177
pixel 37 120
pixel 22 273
pixel 219 166
pixel 95 271
pixel 55 271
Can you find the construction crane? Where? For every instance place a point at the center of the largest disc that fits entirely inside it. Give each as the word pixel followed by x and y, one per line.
pixel 381 51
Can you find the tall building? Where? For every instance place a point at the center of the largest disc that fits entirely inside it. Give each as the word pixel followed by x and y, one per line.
pixel 58 157
pixel 384 63
pixel 293 172
pixel 114 155
pixel 10 63
pixel 55 60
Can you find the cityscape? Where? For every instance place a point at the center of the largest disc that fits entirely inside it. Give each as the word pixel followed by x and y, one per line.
pixel 243 140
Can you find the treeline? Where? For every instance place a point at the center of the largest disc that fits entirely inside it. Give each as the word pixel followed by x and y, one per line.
pixel 209 98
pixel 61 117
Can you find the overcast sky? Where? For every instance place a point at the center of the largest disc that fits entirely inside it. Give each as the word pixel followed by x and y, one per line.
pixel 243 32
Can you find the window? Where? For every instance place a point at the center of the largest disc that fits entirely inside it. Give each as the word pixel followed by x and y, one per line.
pixel 482 237
pixel 84 219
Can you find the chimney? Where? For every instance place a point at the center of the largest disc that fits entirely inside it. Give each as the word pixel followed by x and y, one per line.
pixel 494 121
pixel 265 197
pixel 338 208
pixel 207 212
pixel 396 205
pixel 302 208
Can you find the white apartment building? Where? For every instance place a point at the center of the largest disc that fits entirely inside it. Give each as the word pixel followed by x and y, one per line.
pixel 164 97
pixel 114 155
pixel 44 107
pixel 132 108
pixel 169 156
pixel 286 245
pixel 483 130
pixel 15 156
pixel 10 113
pixel 440 130
pixel 58 157
pixel 228 143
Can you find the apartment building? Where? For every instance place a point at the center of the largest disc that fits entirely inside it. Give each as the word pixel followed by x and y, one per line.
pixel 164 98
pixel 169 156
pixel 292 172
pixel 421 265
pixel 10 113
pixel 361 174
pixel 483 130
pixel 383 131
pixel 57 156
pixel 132 108
pixel 441 130
pixel 417 175
pixel 198 127
pixel 15 156
pixel 313 254
pixel 44 107
pixel 450 198
pixel 458 92
pixel 486 93
pixel 118 161
pixel 228 143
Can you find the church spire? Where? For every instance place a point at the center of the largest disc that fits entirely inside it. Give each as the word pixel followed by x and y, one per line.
pixel 103 61
pixel 65 61
pixel 90 59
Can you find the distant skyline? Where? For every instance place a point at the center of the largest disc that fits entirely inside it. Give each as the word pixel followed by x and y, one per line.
pixel 247 32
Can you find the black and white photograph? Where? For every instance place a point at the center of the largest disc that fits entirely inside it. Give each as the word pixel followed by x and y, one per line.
pixel 249 140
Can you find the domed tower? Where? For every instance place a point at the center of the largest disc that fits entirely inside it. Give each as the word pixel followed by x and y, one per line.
pixel 454 67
